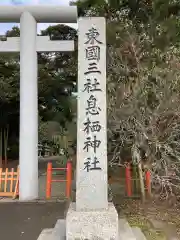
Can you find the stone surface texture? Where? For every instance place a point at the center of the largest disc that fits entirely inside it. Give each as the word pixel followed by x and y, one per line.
pixel 125 232
pixel 92 224
pixel 45 234
pixel 91 183
pixel 60 229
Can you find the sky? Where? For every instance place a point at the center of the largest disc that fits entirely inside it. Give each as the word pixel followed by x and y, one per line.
pixel 7 26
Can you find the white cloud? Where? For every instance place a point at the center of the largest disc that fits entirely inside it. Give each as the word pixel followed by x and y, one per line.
pixel 41 26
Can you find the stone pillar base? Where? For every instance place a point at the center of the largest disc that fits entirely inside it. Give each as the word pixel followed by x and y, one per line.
pixel 92 225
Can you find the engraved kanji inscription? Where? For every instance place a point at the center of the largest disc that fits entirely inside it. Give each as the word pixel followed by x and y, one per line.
pixel 91 165
pixel 92 107
pixel 92 126
pixel 92 85
pixel 93 143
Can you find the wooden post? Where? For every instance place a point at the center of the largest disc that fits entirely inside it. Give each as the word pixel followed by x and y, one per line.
pixel 68 179
pixel 148 182
pixel 128 181
pixel 49 180
pixel 141 179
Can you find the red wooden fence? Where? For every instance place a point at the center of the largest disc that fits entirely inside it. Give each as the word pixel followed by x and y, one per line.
pixel 50 180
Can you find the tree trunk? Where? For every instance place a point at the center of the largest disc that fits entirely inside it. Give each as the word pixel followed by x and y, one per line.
pixel 6 131
pixel 1 148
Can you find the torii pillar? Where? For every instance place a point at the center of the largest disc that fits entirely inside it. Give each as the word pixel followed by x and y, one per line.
pixel 28 45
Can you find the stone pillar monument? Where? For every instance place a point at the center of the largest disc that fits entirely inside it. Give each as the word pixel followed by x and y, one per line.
pixel 92 217
pixel 91 189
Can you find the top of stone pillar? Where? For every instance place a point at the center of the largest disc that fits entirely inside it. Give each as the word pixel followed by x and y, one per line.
pixel 42 13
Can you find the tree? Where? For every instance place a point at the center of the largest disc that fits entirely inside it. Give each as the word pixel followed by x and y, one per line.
pixel 57 78
pixel 159 18
pixel 143 83
pixel 135 10
pixel 61 78
pixel 9 97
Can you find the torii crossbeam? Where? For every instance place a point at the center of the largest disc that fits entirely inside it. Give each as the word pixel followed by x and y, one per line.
pixel 29 44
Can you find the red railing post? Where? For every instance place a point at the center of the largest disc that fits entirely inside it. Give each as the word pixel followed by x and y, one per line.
pixel 48 180
pixel 128 181
pixel 68 179
pixel 148 182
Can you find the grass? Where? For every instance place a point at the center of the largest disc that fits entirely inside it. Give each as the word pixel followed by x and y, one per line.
pixel 145 226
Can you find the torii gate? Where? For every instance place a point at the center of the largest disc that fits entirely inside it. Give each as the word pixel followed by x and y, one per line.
pixel 28 45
